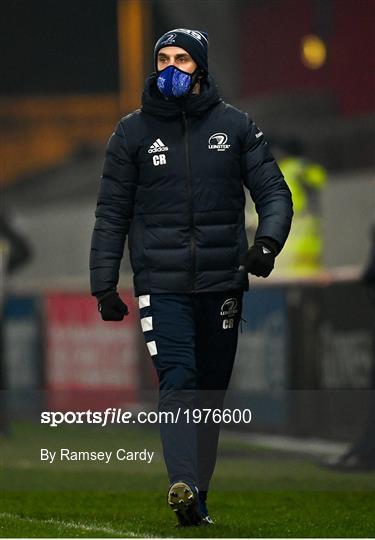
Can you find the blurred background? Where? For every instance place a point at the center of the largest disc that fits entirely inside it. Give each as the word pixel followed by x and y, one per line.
pixel 304 71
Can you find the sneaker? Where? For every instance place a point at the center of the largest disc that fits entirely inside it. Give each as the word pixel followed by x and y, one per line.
pixel 206 520
pixel 183 500
pixel 349 462
pixel 205 517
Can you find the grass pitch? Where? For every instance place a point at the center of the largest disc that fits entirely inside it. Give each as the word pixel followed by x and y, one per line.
pixel 255 492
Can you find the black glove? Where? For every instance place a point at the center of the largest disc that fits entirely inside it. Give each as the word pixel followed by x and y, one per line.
pixel 260 258
pixel 111 307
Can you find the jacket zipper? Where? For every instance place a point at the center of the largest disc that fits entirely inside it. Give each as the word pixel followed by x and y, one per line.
pixel 189 187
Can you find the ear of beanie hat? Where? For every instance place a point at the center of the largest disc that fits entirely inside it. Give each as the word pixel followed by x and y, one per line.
pixel 195 42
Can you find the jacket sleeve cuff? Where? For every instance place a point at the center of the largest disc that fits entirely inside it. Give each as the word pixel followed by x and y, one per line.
pixel 269 243
pixel 100 295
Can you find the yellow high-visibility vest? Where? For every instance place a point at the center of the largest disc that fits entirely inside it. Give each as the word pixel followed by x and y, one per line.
pixel 303 249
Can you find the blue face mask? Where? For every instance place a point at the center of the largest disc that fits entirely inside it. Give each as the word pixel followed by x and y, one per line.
pixel 172 82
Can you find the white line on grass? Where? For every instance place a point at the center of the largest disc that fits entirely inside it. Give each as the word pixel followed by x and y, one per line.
pixel 311 446
pixel 75 525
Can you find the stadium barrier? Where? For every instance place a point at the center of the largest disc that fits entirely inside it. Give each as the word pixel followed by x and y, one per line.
pixel 303 366
pixel 305 361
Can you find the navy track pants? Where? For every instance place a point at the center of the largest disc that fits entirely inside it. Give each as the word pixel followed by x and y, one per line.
pixel 192 340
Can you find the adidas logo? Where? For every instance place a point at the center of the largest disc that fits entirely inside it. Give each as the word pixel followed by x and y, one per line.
pixel 157 146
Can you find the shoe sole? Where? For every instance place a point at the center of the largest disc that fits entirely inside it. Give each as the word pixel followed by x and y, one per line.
pixel 182 501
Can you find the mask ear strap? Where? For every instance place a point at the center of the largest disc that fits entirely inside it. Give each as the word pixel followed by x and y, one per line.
pixel 195 76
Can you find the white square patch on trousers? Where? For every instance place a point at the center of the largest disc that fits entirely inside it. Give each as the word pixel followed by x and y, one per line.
pixel 146 323
pixel 144 300
pixel 152 348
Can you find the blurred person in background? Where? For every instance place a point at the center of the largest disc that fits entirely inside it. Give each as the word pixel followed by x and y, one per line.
pixel 306 181
pixel 361 455
pixel 15 252
pixel 173 182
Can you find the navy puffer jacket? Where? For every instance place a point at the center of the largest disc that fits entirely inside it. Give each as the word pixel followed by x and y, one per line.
pixel 173 182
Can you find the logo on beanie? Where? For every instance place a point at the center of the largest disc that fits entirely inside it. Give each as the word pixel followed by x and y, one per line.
pixel 192 33
pixel 218 142
pixel 170 39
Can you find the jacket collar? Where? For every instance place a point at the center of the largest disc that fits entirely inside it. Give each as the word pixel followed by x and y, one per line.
pixel 153 102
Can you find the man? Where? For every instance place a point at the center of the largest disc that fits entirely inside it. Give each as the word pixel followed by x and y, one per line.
pixel 173 180
pixel 15 252
pixel 360 456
